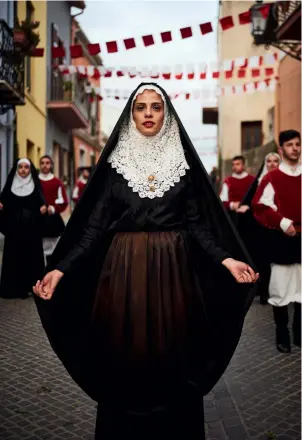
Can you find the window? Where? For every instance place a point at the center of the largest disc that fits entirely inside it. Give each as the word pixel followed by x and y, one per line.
pixel 29 16
pixel 82 158
pixel 30 150
pixel 251 135
pixel 56 79
pixel 92 159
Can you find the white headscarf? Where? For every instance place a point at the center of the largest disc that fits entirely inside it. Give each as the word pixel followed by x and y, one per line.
pixel 22 186
pixel 265 169
pixel 150 164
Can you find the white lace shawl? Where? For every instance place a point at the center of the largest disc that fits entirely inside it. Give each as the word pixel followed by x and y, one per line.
pixel 150 164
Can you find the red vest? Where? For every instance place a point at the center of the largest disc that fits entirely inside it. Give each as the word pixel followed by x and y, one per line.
pixel 238 187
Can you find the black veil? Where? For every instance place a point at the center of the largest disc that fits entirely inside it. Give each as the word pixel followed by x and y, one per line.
pixel 66 317
pixel 6 192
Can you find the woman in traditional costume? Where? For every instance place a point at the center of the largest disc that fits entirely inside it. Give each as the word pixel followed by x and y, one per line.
pixel 22 205
pixel 252 233
pixel 145 301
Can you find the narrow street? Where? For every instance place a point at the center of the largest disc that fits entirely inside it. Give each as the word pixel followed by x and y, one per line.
pixel 260 391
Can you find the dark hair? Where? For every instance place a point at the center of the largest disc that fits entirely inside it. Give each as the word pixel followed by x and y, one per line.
pixel 288 135
pixel 239 158
pixel 46 156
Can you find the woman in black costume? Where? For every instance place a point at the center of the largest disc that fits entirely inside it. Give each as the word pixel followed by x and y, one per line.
pixel 22 206
pixel 145 304
pixel 252 233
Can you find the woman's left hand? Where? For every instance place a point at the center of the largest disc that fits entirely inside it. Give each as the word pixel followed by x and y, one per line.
pixel 242 272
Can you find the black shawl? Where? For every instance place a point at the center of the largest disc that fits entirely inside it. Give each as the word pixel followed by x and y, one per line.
pixel 66 317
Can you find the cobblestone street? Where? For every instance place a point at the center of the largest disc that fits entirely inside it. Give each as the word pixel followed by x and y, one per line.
pixel 260 391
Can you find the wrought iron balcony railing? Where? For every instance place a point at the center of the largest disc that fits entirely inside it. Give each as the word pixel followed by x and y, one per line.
pixel 11 70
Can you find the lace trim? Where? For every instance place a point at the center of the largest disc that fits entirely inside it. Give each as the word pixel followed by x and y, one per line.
pixel 151 165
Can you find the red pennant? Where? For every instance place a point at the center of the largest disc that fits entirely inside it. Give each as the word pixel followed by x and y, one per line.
pixel 108 74
pixel 65 71
pixel 166 36
pixel 112 47
pixel 245 17
pixel 215 75
pixel 228 74
pixel 119 73
pixel 241 73
pixel 58 52
pixel 96 73
pixel 261 60
pixel 99 98
pixel 276 56
pixel 167 75
pixel 244 88
pixel 179 76
pixel 191 75
pixel 38 52
pixel 267 81
pixel 76 51
pixel 116 97
pixel 132 75
pixel 148 40
pixel 129 43
pixel 155 76
pixel 226 23
pixel 264 10
pixel 255 73
pixel 203 75
pixel 206 28
pixel 187 95
pixel 94 49
pixel 269 71
pixel 256 84
pixel 186 32
pixel 83 74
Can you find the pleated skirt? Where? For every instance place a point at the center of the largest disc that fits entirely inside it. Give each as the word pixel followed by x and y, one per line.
pixel 149 319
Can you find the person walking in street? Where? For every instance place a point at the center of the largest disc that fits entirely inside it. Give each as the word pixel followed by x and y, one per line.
pixel 146 293
pixel 235 187
pixel 22 207
pixel 57 202
pixel 81 184
pixel 214 176
pixel 277 206
pixel 252 232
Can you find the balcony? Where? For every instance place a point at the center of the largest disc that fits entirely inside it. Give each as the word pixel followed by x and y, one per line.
pixel 69 105
pixel 11 70
pixel 289 20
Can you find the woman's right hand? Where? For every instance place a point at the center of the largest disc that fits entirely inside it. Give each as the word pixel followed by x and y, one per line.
pixel 46 288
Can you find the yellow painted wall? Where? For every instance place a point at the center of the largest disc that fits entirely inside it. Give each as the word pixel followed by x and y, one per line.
pixel 31 118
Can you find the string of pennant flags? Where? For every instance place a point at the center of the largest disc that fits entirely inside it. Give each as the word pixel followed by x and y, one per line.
pixel 76 51
pixel 204 94
pixel 240 67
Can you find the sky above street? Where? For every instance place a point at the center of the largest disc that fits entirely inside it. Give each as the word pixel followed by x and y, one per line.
pixel 115 20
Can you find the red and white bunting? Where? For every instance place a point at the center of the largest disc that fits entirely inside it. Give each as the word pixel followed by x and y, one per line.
pixel 239 67
pixel 226 23
pixel 205 94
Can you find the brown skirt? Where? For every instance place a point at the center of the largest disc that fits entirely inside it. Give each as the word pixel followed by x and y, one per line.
pixel 147 313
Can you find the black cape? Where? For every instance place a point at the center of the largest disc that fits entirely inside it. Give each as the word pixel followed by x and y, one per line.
pixel 66 317
pixel 21 223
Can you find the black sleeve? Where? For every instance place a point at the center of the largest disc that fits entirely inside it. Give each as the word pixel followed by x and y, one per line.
pixel 95 229
pixel 198 231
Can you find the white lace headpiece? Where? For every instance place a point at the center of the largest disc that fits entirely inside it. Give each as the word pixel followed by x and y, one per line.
pixel 150 164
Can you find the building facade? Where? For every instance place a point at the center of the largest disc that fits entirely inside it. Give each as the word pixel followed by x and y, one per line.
pixel 31 119
pixel 245 120
pixel 11 89
pixel 67 103
pixel 87 142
